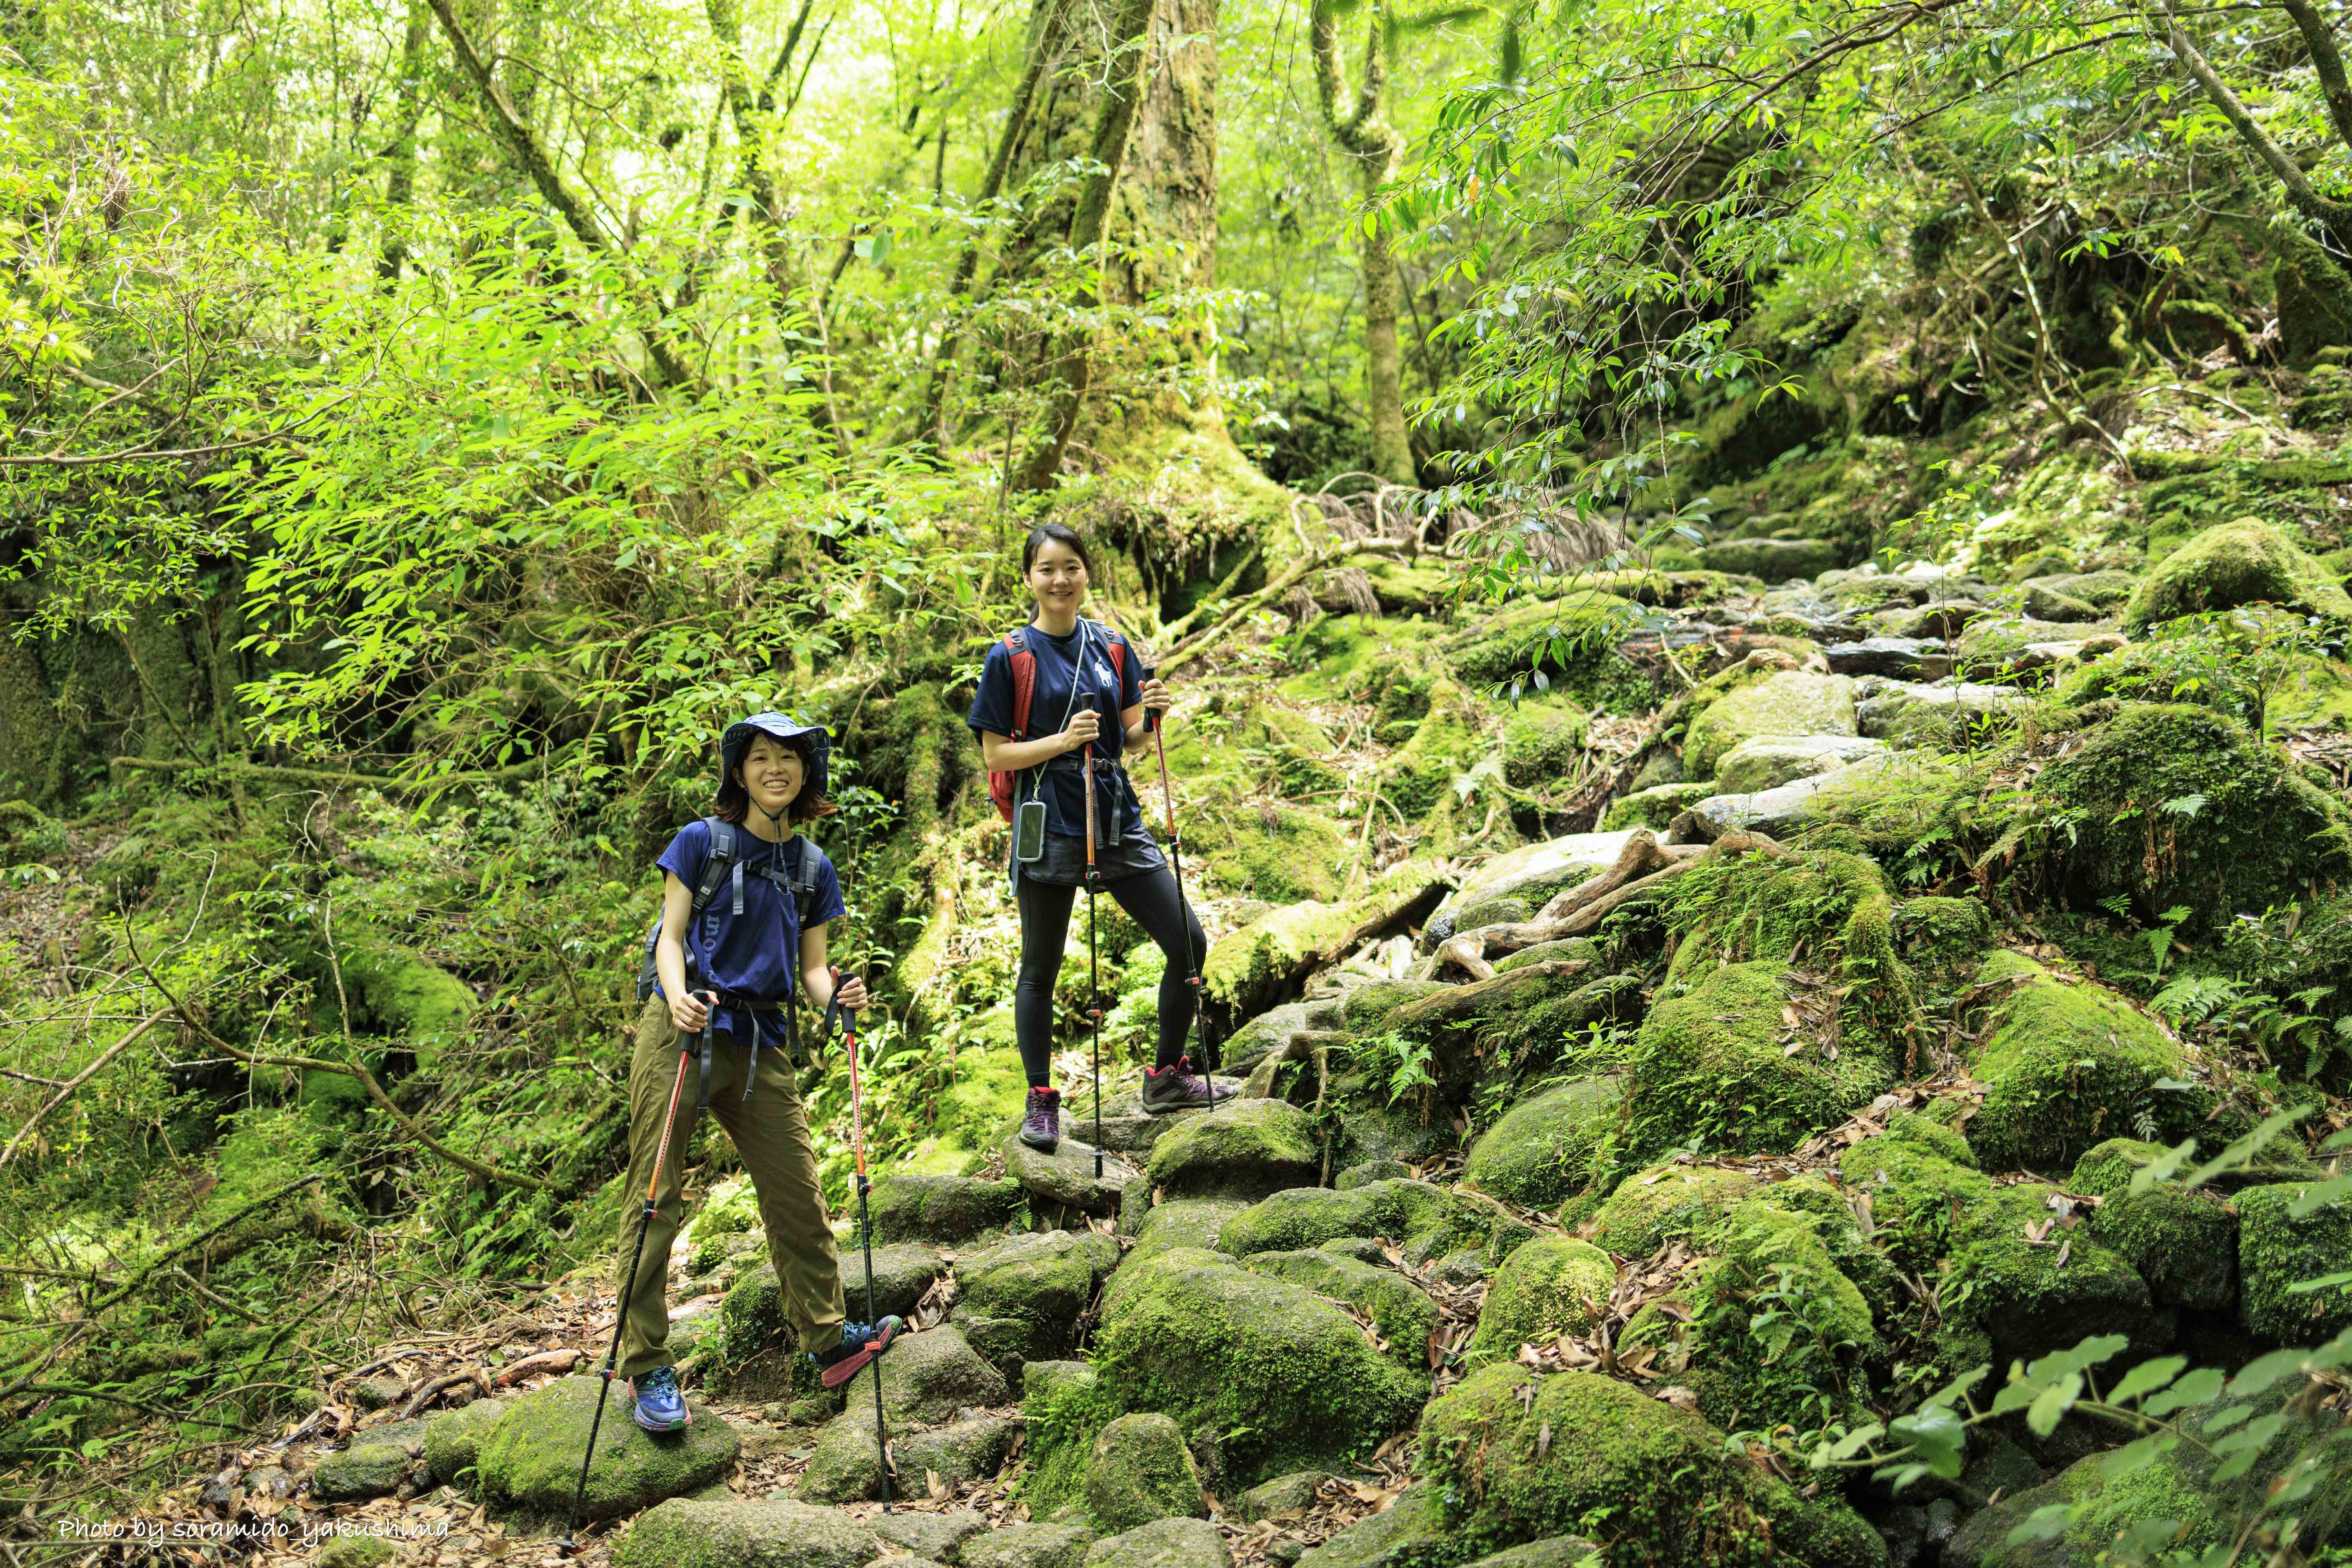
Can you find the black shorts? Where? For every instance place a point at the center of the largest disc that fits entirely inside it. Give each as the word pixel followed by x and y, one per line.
pixel 1063 863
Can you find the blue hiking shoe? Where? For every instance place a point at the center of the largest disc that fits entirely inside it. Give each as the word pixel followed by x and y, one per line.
pixel 860 1342
pixel 661 1405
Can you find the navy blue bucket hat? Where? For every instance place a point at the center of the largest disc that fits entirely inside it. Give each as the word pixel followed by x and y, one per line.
pixel 811 741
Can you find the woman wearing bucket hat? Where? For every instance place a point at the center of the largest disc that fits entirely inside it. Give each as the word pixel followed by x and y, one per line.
pixel 746 901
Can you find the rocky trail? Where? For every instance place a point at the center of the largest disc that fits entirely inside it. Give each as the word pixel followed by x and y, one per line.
pixel 1532 1152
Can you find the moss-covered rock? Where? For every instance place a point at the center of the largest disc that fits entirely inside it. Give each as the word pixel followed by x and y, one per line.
pixel 1424 1220
pixel 1019 1300
pixel 1541 744
pixel 354 1552
pixel 1650 1206
pixel 1140 1470
pixel 1245 1150
pixel 1279 1378
pixel 1915 1190
pixel 2012 1289
pixel 2184 1244
pixel 734 1533
pixel 1292 1494
pixel 1185 1222
pixel 847 1466
pixel 1711 1064
pixel 2179 805
pixel 1251 967
pixel 929 1376
pixel 758 1348
pixel 1549 1146
pixel 1554 1285
pixel 378 1460
pixel 1162 1544
pixel 1410 1533
pixel 1043 1382
pixel 1034 1545
pixel 2241 562
pixel 1655 807
pixel 948 1211
pixel 1418 776
pixel 2277 1251
pixel 1578 948
pixel 1941 936
pixel 2067 1064
pixel 1784 702
pixel 1366 1009
pixel 1400 1309
pixel 1589 1455
pixel 531 1460
pixel 407 996
pixel 453 1439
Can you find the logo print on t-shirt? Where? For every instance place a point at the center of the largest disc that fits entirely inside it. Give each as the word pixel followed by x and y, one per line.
pixel 1102 672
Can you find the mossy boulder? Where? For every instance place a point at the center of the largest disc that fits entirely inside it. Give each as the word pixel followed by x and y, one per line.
pixel 407 996
pixel 453 1439
pixel 2180 806
pixel 378 1460
pixel 2276 1251
pixel 1712 1063
pixel 530 1462
pixel 1043 1382
pixel 1162 1544
pixel 1915 1190
pixel 1424 1220
pixel 1554 1285
pixel 1773 559
pixel 2184 1244
pixel 947 1211
pixel 929 1376
pixel 1032 1545
pixel 1525 1011
pixel 1019 1300
pixel 1541 744
pixel 735 1532
pixel 1548 1147
pixel 1251 968
pixel 1418 776
pixel 1767 762
pixel 1280 1378
pixel 2240 563
pixel 847 1466
pixel 1247 1149
pixel 355 1551
pixel 1784 702
pixel 2013 1290
pixel 2067 1064
pixel 1140 1470
pixel 1185 1222
pixel 1580 949
pixel 1655 807
pixel 1400 1309
pixel 1531 874
pixel 1410 1532
pixel 1519 1457
pixel 1650 1206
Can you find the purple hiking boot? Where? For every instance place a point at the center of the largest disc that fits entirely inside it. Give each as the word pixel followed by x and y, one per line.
pixel 1179 1088
pixel 1041 1127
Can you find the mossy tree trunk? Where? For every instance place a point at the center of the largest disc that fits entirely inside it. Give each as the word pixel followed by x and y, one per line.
pixel 1372 144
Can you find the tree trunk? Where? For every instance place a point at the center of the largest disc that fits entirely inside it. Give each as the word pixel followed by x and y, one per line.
pixel 1364 134
pixel 400 183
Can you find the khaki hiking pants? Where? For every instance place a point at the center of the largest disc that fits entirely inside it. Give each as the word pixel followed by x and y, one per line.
pixel 770 1131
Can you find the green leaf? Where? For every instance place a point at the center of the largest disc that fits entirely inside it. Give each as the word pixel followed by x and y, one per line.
pixel 2200 1387
pixel 1936 1435
pixel 2047 1522
pixel 2145 1378
pixel 2050 1406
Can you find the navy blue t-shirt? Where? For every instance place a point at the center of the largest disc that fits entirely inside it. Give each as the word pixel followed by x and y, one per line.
pixel 756 954
pixel 1108 691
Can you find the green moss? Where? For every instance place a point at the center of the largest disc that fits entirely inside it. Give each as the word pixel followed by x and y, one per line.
pixel 1941 935
pixel 1418 777
pixel 2107 1168
pixel 2277 1251
pixel 969 1115
pixel 2174 806
pixel 2241 562
pixel 1424 1220
pixel 1401 1310
pixel 1579 949
pixel 1570 638
pixel 1248 968
pixel 1140 1470
pixel 1655 807
pixel 530 1460
pixel 1541 744
pixel 1282 1380
pixel 951 1211
pixel 1917 1194
pixel 1784 702
pixel 407 996
pixel 2067 1064
pixel 1710 1065
pixel 1555 1285
pixel 2016 1292
pixel 1249 1149
pixel 1830 908
pixel 2183 1244
pixel 1549 1146
pixel 1589 1455
pixel 1650 1206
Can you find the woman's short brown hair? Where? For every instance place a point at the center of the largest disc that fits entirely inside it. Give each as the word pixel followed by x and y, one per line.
pixel 734 801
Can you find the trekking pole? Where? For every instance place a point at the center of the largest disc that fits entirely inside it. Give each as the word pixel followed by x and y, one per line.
pixel 865 1226
pixel 1153 716
pixel 1094 980
pixel 646 1218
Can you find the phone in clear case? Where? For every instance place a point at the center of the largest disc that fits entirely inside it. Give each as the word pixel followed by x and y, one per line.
pixel 1029 831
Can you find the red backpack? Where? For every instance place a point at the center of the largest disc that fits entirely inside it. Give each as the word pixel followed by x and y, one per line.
pixel 1002 786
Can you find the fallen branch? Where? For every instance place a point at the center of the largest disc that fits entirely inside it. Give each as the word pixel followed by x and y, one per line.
pixel 83 1076
pixel 1585 906
pixel 561 1359
pixel 432 1389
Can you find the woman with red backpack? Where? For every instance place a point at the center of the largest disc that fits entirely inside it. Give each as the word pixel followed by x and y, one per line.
pixel 1059 701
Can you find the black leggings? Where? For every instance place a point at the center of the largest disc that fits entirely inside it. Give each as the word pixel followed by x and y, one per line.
pixel 1150 898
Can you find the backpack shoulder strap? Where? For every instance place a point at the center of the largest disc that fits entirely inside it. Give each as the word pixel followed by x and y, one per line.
pixel 1116 640
pixel 714 866
pixel 1024 682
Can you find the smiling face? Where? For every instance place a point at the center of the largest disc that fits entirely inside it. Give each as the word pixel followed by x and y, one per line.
pixel 1057 577
pixel 771 774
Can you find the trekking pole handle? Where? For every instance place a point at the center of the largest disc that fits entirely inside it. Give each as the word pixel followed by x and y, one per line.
pixel 1151 715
